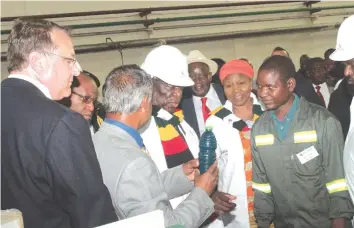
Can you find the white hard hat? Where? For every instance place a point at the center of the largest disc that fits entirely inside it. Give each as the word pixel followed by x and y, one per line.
pixel 168 64
pixel 345 41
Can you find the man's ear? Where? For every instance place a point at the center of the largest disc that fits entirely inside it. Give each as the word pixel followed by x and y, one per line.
pixel 210 77
pixel 144 105
pixel 37 62
pixel 291 84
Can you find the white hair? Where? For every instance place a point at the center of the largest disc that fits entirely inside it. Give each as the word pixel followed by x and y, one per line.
pixel 125 88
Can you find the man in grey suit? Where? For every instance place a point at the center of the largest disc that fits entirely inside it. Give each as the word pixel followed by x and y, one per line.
pixel 134 181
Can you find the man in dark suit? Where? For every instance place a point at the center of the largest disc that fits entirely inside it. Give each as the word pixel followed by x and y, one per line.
pixel 49 169
pixel 313 86
pixel 340 101
pixel 203 97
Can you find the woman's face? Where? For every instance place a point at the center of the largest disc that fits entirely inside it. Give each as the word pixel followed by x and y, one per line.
pixel 237 88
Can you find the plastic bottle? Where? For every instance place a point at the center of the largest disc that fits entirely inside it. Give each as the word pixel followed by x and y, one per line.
pixel 207 147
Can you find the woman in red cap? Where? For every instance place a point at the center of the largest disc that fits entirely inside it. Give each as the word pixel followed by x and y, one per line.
pixel 232 124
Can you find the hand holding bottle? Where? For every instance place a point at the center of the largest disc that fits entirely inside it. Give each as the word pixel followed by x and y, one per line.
pixel 208 180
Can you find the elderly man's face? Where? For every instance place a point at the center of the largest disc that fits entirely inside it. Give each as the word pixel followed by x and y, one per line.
pixel 166 96
pixel 318 72
pixel 199 72
pixel 84 97
pixel 60 69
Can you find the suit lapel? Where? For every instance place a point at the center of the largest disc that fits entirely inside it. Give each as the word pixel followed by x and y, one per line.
pixel 316 98
pixel 189 114
pixel 189 111
pixel 220 92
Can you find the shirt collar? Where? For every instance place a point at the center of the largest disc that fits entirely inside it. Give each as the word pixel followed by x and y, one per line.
pixel 34 82
pixel 323 85
pixel 131 131
pixel 210 95
pixel 163 114
pixel 291 112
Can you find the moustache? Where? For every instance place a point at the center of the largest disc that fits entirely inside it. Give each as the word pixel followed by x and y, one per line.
pixel 350 80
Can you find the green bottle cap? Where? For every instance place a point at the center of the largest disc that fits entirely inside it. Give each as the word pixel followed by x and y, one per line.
pixel 208 128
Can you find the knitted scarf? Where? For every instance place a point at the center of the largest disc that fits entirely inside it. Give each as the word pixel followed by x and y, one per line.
pixel 173 142
pixel 240 125
pixel 244 132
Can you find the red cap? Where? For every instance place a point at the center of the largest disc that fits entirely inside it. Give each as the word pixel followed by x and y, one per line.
pixel 236 66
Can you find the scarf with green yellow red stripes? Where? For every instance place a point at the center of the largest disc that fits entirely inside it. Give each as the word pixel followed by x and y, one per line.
pixel 173 142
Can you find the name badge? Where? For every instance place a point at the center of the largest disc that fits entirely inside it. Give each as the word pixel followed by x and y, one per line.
pixel 262 140
pixel 307 155
pixel 305 136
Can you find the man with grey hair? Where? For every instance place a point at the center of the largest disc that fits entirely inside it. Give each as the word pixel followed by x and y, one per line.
pixel 133 179
pixel 49 169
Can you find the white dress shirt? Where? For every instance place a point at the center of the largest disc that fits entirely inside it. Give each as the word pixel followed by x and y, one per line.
pixel 34 82
pixel 337 84
pixel 212 103
pixel 348 154
pixel 325 92
pixel 92 130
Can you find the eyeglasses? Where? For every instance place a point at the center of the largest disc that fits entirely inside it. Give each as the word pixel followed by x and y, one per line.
pixel 86 99
pixel 70 61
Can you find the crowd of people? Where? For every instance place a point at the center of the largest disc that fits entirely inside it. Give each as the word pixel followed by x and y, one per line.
pixel 285 139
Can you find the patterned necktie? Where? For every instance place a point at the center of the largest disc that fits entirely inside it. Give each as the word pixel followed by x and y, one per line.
pixel 318 91
pixel 205 109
